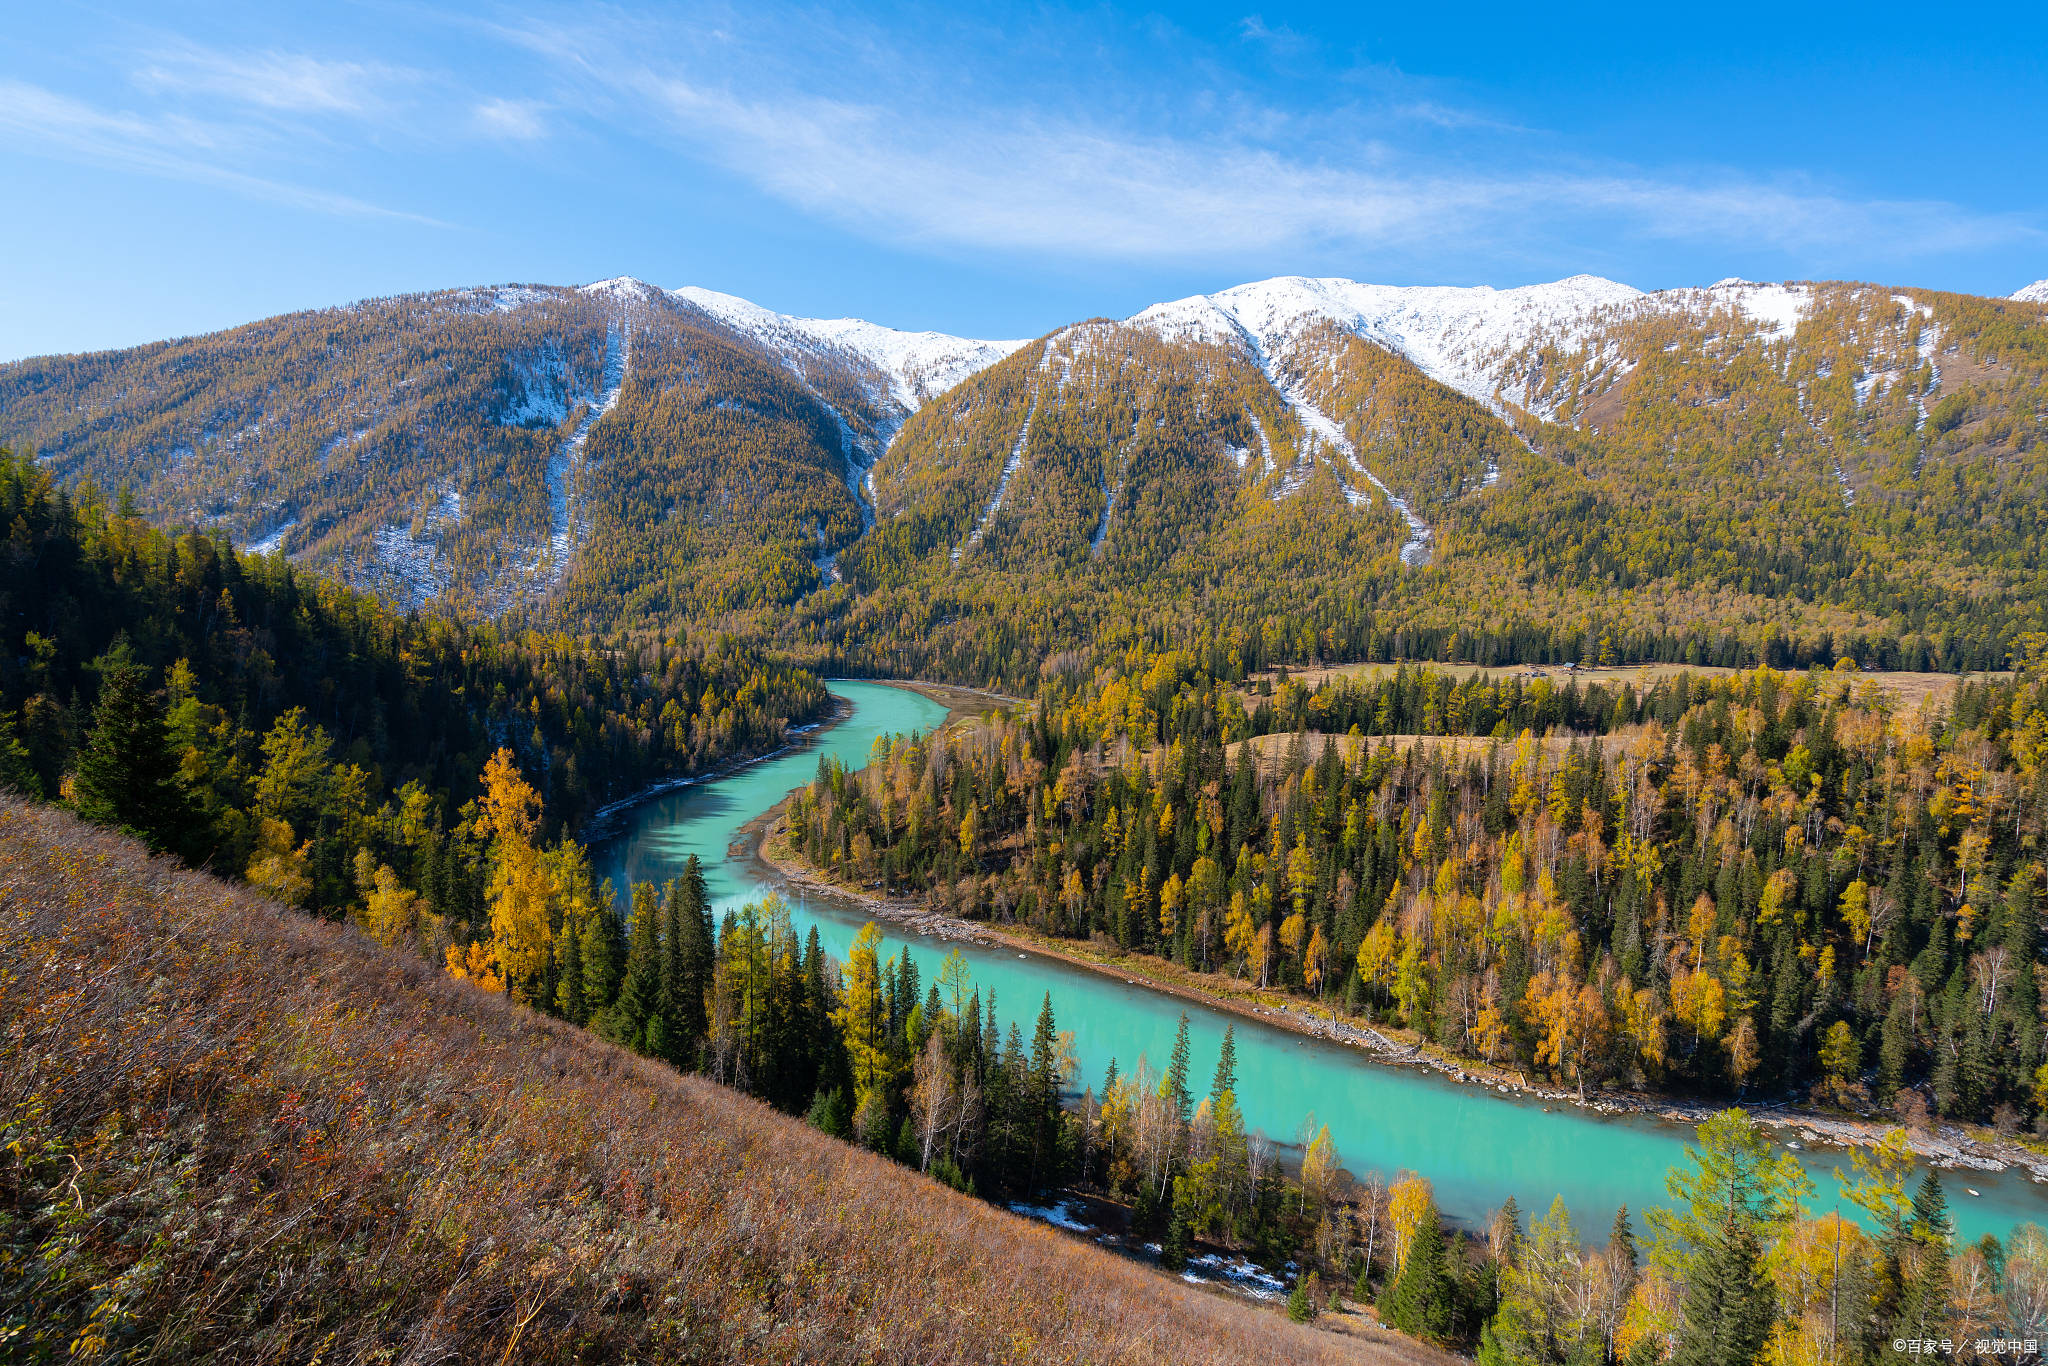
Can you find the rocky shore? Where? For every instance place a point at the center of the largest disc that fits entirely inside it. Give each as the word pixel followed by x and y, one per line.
pixel 1943 1145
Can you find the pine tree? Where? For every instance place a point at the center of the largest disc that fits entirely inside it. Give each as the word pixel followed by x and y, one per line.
pixel 1729 1305
pixel 1178 1243
pixel 1226 1064
pixel 639 995
pixel 600 956
pixel 1924 1292
pixel 127 774
pixel 1175 1085
pixel 1422 1300
pixel 1044 1094
pixel 678 1044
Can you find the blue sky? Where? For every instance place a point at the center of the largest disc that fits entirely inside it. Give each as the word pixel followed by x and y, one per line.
pixel 993 171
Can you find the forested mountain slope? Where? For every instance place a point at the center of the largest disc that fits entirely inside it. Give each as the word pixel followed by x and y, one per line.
pixel 255 718
pixel 235 1133
pixel 609 448
pixel 1287 470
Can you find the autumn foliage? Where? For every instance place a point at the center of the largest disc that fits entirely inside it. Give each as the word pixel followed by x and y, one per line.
pixel 230 1132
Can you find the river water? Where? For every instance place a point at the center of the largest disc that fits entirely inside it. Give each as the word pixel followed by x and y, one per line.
pixel 1477 1146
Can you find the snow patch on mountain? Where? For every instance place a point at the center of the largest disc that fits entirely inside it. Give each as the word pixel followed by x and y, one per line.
pixel 2035 293
pixel 1475 340
pixel 1775 309
pixel 405 561
pixel 273 542
pixel 565 528
pixel 1458 336
pixel 915 366
pixel 545 391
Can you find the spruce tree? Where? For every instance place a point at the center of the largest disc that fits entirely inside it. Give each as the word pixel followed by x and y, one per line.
pixel 1179 1241
pixel 600 956
pixel 1729 1305
pixel 1044 1094
pixel 1924 1289
pixel 127 773
pixel 676 1043
pixel 1226 1064
pixel 1422 1300
pixel 1176 1083
pixel 640 993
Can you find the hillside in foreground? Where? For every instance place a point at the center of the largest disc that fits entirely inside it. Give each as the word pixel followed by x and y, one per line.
pixel 236 1133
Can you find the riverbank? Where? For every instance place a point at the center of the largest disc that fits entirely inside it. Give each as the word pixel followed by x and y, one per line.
pixel 599 824
pixel 1946 1146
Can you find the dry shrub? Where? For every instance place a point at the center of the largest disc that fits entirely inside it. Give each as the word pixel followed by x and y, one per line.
pixel 234 1133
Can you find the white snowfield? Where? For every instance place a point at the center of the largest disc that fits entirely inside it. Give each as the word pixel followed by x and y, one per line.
pixel 918 366
pixel 1466 338
pixel 2035 293
pixel 1459 337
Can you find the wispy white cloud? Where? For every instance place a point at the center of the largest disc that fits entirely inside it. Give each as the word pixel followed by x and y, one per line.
pixel 289 82
pixel 905 167
pixel 519 120
pixel 1452 117
pixel 173 147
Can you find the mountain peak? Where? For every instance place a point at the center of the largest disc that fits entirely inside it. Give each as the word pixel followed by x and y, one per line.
pixel 1454 333
pixel 2035 293
pixel 917 365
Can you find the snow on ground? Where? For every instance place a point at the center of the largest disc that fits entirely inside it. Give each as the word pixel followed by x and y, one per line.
pixel 547 391
pixel 1467 338
pixel 1457 336
pixel 916 366
pixel 502 298
pixel 1010 468
pixel 1775 309
pixel 1207 314
pixel 2035 293
pixel 271 543
pixel 408 567
pixel 1236 1272
pixel 1059 1215
pixel 567 461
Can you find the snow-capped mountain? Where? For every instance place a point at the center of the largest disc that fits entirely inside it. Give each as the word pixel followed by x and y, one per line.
pixel 1458 337
pixel 916 366
pixel 1467 338
pixel 2035 293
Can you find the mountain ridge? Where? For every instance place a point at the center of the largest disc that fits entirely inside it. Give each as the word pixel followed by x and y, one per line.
pixel 1825 461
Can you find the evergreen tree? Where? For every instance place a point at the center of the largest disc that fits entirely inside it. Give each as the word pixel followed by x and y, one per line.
pixel 1924 1270
pixel 1422 1301
pixel 1226 1064
pixel 1044 1094
pixel 640 993
pixel 1738 1193
pixel 127 773
pixel 600 957
pixel 1174 1087
pixel 1729 1305
pixel 677 1043
pixel 1178 1244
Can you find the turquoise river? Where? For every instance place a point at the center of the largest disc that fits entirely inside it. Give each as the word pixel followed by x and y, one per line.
pixel 1476 1145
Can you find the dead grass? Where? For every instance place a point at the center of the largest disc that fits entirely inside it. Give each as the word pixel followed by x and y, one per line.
pixel 1907 688
pixel 235 1134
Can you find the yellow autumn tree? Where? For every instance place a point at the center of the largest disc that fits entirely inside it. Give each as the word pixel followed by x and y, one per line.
pixel 279 867
pixel 1409 1200
pixel 522 940
pixel 863 1016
